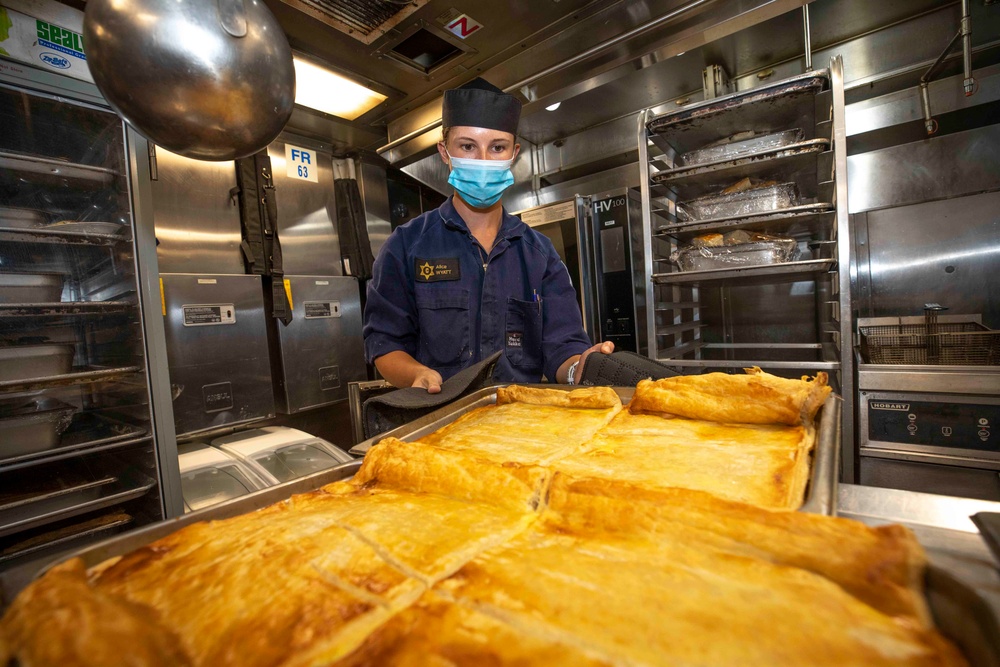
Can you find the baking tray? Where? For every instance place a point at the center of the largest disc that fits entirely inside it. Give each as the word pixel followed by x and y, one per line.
pixel 30 287
pixel 33 425
pixel 60 172
pixel 87 433
pixel 821 495
pixel 798 156
pixel 21 362
pixel 53 506
pixel 64 308
pixel 21 218
pixel 65 536
pixel 60 236
pixel 961 612
pixel 769 107
pixel 77 376
pixel 767 271
pixel 808 216
pixel 119 546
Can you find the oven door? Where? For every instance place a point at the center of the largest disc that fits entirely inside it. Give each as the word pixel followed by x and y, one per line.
pixel 566 225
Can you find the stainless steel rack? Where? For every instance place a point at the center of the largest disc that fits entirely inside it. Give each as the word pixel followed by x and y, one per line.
pixel 789 318
pixel 78 451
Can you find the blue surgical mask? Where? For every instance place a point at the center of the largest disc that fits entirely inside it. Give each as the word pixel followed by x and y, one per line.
pixel 480 183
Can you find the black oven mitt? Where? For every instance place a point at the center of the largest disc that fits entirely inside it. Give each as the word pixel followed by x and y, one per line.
pixel 387 411
pixel 621 369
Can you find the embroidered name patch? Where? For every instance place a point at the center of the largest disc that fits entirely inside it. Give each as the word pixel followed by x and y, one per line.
pixel 434 270
pixel 515 339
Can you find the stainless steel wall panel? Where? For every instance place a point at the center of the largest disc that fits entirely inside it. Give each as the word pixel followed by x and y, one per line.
pixel 375 194
pixel 903 106
pixel 943 251
pixel 321 348
pixel 307 213
pixel 197 224
pixel 220 373
pixel 948 166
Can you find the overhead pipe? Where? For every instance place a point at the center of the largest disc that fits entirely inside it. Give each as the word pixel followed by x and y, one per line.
pixel 569 62
pixel 969 84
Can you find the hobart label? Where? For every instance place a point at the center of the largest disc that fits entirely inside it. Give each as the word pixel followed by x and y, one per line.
pixel 880 405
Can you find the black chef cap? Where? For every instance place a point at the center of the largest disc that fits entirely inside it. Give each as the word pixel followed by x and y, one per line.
pixel 480 104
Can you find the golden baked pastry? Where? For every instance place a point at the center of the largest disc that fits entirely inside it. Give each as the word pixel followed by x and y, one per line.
pixel 530 425
pixel 881 566
pixel 437 631
pixel 61 620
pixel 766 465
pixel 441 553
pixel 755 398
pixel 672 602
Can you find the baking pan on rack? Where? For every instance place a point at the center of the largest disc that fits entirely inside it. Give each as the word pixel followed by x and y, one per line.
pixel 771 107
pixel 88 432
pixel 787 270
pixel 84 375
pixel 64 537
pixel 50 236
pixel 29 425
pixel 31 287
pixel 69 500
pixel 782 163
pixel 20 362
pixel 805 214
pixel 58 172
pixel 64 308
pixel 21 218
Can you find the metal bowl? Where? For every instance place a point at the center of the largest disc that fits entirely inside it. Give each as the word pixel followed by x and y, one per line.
pixel 207 79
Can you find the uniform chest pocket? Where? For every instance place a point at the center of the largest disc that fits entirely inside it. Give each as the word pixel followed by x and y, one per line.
pixel 523 334
pixel 443 313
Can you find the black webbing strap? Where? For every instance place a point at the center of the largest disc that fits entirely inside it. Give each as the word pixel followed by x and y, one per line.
pixel 355 246
pixel 259 222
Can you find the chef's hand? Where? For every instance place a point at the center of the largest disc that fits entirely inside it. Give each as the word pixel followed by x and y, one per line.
pixel 607 347
pixel 429 379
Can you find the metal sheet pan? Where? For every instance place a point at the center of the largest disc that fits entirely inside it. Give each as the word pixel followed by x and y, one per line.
pixel 66 503
pixel 960 611
pixel 767 271
pixel 805 214
pixel 61 236
pixel 78 376
pixel 119 546
pixel 30 287
pixel 21 362
pixel 821 495
pixel 56 172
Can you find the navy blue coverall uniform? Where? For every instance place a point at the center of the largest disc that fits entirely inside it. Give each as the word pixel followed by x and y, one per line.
pixel 437 295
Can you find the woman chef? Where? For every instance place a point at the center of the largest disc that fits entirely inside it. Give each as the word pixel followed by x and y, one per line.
pixel 458 283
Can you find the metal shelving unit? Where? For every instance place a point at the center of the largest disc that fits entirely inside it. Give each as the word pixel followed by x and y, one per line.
pixel 789 318
pixel 79 452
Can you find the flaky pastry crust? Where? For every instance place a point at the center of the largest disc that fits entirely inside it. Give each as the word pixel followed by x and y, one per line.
pixel 585 397
pixel 754 398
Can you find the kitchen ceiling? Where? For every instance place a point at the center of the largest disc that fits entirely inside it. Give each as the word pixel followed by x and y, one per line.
pixel 602 59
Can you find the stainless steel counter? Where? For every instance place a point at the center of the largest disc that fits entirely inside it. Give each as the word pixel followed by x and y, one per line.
pixel 942 525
